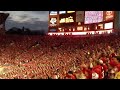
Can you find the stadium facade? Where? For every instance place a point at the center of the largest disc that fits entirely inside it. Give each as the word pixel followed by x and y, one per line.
pixel 3 17
pixel 83 22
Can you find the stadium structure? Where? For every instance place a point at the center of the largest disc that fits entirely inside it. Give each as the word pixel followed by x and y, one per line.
pixel 83 22
pixel 3 17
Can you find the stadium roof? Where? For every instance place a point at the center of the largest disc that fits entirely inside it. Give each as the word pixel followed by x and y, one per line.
pixel 3 17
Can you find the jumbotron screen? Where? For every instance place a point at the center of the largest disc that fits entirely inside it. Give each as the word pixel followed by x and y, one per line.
pixel 93 17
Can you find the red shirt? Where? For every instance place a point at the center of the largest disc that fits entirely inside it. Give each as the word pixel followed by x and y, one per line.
pixel 73 77
pixel 104 59
pixel 113 63
pixel 89 74
pixel 99 70
pixel 86 72
pixel 70 76
pixel 118 66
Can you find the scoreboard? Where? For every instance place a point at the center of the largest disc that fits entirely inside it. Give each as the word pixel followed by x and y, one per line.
pixel 81 22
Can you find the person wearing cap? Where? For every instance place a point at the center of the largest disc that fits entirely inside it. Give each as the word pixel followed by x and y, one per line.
pixel 97 72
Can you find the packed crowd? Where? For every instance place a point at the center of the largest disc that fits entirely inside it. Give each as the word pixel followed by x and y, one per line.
pixel 59 57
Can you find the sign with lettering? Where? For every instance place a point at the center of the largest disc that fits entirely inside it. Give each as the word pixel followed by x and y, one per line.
pixel 67 20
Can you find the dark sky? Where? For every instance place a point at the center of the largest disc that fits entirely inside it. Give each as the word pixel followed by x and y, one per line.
pixel 35 20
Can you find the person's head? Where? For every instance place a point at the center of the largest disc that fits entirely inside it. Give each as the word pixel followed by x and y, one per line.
pixel 103 55
pixel 70 72
pixel 91 59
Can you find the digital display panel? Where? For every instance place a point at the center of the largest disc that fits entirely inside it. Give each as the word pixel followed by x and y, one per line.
pixel 62 12
pixel 108 15
pixel 53 30
pixel 80 28
pixel 67 19
pixel 70 11
pixel 53 22
pixel 53 12
pixel 108 25
pixel 93 17
pixel 79 16
pixel 100 26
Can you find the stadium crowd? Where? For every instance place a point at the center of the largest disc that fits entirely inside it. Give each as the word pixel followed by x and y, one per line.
pixel 59 57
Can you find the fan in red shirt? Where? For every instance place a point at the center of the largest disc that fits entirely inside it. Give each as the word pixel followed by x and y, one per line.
pixel 112 55
pixel 104 67
pixel 113 62
pixel 104 59
pixel 85 70
pixel 97 72
pixel 118 67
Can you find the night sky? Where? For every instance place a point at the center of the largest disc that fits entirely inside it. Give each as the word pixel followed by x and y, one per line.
pixel 35 20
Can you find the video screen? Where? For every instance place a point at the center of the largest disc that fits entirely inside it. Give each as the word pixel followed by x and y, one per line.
pixel 80 16
pixel 93 17
pixel 53 12
pixel 108 25
pixel 62 12
pixel 53 21
pixel 53 30
pixel 108 15
pixel 70 11
pixel 67 18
